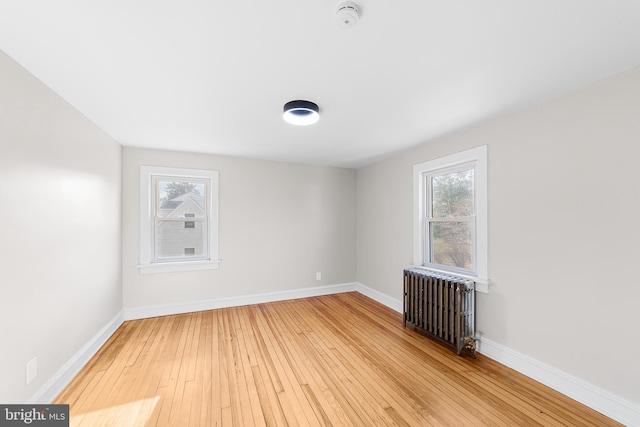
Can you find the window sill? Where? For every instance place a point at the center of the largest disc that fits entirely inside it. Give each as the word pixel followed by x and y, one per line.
pixel 169 267
pixel 481 284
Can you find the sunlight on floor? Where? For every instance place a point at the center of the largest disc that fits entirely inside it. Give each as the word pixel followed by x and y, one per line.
pixel 128 414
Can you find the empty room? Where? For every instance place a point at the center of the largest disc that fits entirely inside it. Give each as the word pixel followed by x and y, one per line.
pixel 411 213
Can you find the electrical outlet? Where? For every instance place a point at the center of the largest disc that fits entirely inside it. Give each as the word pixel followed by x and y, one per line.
pixel 318 276
pixel 32 369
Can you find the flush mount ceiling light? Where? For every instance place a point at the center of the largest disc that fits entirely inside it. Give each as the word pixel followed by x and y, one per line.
pixel 301 113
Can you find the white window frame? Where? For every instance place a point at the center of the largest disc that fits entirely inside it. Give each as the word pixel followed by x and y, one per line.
pixel 147 221
pixel 429 219
pixel 478 157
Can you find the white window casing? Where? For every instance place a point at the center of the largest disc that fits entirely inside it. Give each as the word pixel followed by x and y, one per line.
pixel 150 259
pixel 477 157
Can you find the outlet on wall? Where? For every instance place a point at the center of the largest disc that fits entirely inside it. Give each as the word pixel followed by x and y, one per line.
pixel 318 276
pixel 32 369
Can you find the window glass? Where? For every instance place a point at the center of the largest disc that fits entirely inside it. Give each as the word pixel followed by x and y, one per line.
pixel 178 199
pixel 451 244
pixel 452 194
pixel 176 196
pixel 173 239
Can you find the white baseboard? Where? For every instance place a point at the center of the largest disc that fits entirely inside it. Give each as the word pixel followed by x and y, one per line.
pixel 383 299
pixel 623 411
pixel 211 304
pixel 54 386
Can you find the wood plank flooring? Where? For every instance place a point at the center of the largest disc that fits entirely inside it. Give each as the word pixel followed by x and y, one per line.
pixel 336 360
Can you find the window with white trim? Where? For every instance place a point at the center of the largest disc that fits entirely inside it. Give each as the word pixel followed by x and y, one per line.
pixel 450 215
pixel 169 242
pixel 450 220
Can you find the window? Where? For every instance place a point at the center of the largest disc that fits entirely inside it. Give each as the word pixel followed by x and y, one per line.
pixel 450 218
pixel 450 215
pixel 189 224
pixel 167 241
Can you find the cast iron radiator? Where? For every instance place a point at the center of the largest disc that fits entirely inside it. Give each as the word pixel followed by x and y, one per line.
pixel 441 306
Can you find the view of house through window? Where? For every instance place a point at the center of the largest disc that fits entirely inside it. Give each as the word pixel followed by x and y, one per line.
pixel 179 212
pixel 177 199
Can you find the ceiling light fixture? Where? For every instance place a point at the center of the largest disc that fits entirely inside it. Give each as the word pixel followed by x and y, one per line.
pixel 301 113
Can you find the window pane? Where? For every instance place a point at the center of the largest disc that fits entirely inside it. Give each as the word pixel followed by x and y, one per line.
pixel 451 244
pixel 176 241
pixel 452 194
pixel 180 199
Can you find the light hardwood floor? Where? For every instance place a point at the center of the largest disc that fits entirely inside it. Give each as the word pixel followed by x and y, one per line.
pixel 341 360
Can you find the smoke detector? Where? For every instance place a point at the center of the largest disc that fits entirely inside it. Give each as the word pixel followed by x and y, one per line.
pixel 347 15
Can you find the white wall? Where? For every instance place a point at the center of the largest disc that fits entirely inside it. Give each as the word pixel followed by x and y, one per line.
pixel 280 223
pixel 564 203
pixel 60 238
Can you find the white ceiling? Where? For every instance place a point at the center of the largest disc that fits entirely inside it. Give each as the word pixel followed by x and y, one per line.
pixel 212 76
